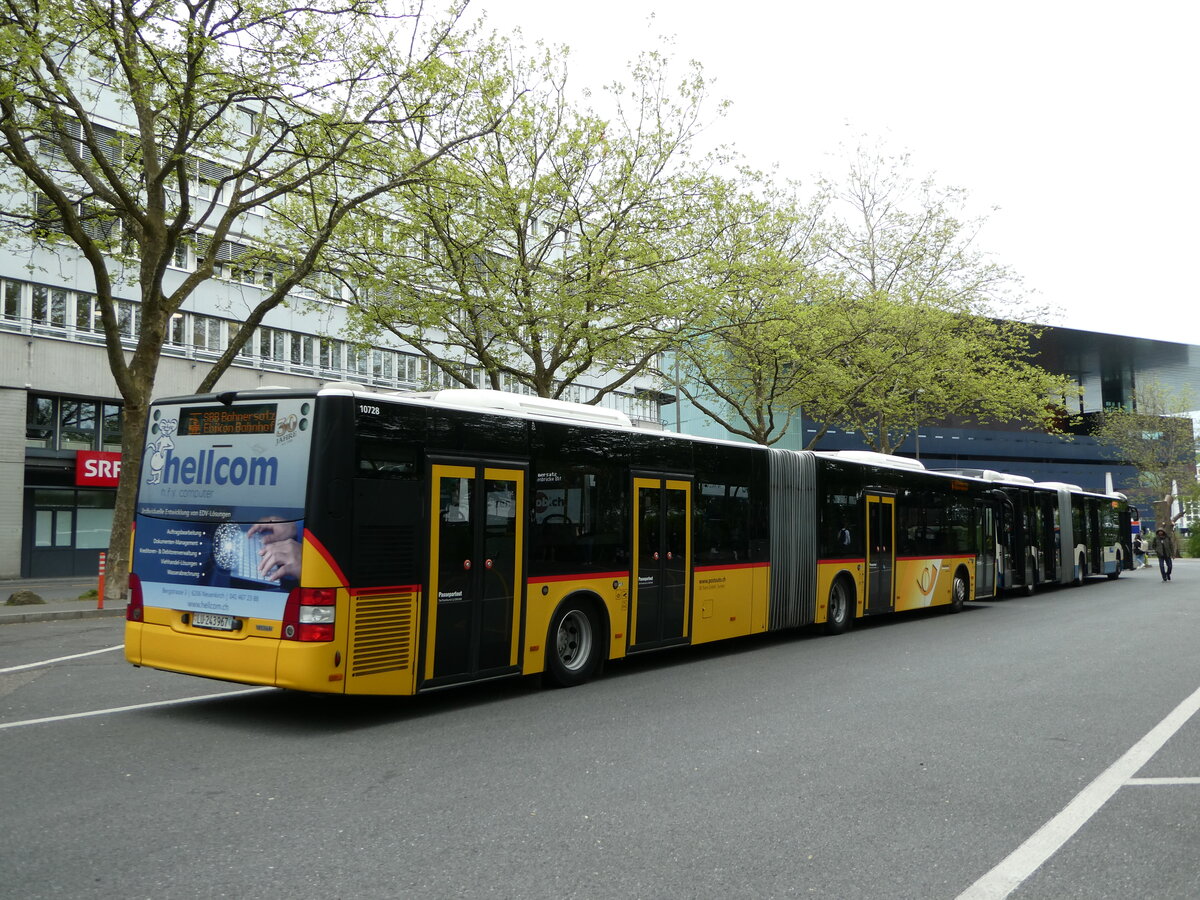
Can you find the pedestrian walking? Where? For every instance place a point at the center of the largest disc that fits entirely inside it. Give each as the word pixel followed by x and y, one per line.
pixel 1139 552
pixel 1164 549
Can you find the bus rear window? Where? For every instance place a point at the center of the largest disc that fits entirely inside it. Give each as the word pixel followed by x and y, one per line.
pixel 386 458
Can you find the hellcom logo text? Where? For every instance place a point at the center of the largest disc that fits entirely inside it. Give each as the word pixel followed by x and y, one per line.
pixel 208 467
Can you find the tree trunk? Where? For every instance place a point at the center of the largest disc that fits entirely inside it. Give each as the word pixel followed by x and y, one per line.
pixel 118 562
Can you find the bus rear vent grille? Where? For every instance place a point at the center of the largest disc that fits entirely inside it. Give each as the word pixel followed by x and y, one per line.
pixel 382 633
pixel 384 554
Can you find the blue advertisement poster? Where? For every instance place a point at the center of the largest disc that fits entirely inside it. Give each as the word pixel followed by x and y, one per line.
pixel 220 517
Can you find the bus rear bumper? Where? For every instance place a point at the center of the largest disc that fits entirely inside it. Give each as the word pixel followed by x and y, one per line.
pixel 252 660
pixel 249 661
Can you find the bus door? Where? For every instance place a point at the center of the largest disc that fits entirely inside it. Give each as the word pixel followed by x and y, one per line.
pixel 985 549
pixel 476 541
pixel 1048 538
pixel 660 584
pixel 1095 538
pixel 1031 544
pixel 881 553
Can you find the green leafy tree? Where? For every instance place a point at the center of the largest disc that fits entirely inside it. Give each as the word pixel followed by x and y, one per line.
pixel 747 361
pixel 926 302
pixel 852 311
pixel 558 247
pixel 130 131
pixel 915 363
pixel 1156 436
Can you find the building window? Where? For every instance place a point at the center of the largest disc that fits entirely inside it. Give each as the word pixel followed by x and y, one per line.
pixel 243 275
pixel 83 313
pixel 206 333
pixel 208 179
pixel 48 222
pixel 49 306
pixel 72 423
pixel 246 350
pixel 272 343
pixel 12 300
pixel 176 332
pixel 383 365
pixel 53 527
pixel 79 519
pixel 247 120
pixel 110 435
pixel 93 519
pixel 302 351
pixel 358 361
pixel 331 355
pixel 127 318
pixel 77 425
pixel 39 421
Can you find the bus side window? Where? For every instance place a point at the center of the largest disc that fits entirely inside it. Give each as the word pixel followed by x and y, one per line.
pixel 721 522
pixel 840 534
pixel 576 518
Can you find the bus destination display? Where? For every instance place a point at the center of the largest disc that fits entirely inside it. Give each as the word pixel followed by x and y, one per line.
pixel 205 421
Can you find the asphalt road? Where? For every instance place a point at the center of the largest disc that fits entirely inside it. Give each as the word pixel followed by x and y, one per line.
pixel 907 759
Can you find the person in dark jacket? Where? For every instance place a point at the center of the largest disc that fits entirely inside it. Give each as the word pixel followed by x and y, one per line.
pixel 1164 549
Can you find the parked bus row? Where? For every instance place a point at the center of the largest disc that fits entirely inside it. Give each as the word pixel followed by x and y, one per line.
pixel 340 540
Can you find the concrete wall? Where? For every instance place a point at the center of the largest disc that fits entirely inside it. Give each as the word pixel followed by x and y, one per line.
pixel 12 478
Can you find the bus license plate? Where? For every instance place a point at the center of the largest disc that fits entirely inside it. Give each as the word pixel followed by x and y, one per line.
pixel 212 620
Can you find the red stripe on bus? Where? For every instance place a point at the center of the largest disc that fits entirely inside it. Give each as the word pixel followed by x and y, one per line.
pixel 310 538
pixel 956 556
pixel 583 576
pixel 843 562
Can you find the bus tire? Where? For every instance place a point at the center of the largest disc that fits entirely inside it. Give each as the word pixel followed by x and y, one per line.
pixel 959 589
pixel 574 645
pixel 839 612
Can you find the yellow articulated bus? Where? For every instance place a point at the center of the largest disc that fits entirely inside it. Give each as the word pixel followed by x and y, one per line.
pixel 345 541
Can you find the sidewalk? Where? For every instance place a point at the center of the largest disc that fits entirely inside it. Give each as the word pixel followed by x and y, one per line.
pixel 62 596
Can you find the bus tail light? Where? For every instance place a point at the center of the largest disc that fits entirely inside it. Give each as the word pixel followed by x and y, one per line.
pixel 133 610
pixel 309 614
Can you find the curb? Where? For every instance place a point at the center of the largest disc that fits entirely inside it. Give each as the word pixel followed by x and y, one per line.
pixel 15 618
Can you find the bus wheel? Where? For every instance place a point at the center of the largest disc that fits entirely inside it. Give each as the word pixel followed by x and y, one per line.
pixel 839 613
pixel 958 591
pixel 573 645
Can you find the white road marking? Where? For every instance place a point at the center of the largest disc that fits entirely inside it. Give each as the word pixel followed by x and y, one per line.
pixel 120 709
pixel 1143 781
pixel 1045 842
pixel 58 659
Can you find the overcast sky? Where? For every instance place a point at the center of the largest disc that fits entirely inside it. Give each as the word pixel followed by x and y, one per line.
pixel 1075 119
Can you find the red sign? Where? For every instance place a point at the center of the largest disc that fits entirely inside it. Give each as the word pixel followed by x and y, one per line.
pixel 97 468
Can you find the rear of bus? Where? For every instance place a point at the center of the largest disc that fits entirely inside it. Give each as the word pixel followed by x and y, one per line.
pixel 226 582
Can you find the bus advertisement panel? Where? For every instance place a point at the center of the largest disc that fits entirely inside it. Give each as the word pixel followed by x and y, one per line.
pixel 220 515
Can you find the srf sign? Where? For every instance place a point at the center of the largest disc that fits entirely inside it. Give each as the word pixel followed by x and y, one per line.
pixel 97 468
